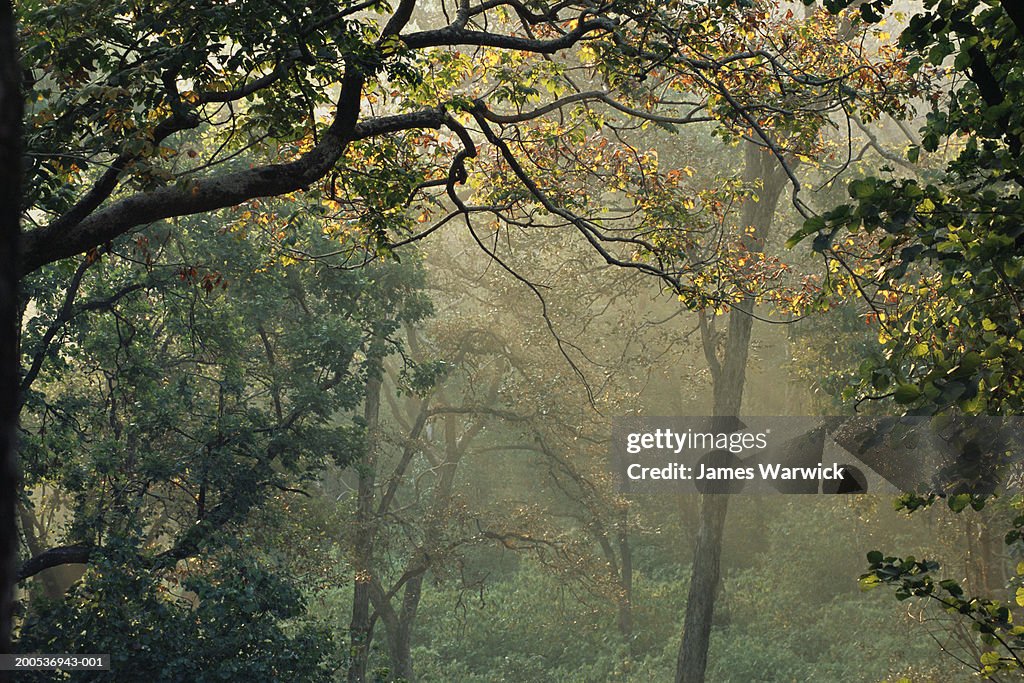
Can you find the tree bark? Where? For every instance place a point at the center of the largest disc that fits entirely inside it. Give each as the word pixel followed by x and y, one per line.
pixel 360 628
pixel 728 378
pixel 625 620
pixel 401 639
pixel 10 243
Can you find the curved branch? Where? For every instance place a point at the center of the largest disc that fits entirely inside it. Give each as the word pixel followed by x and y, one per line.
pixel 586 96
pixel 61 240
pixel 451 35
pixel 107 182
pixel 54 557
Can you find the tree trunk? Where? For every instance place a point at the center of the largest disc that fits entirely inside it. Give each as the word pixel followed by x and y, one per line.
pixel 10 236
pixel 729 378
pixel 625 620
pixel 400 632
pixel 360 629
pixel 399 625
pixel 988 577
pixel 401 640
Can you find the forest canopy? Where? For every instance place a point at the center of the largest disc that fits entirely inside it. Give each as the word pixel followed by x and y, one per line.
pixel 323 311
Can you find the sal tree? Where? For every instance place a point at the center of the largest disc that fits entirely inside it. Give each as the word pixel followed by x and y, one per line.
pixel 366 107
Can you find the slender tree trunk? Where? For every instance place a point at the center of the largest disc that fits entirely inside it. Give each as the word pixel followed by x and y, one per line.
pixel 706 572
pixel 10 238
pixel 401 639
pixel 399 625
pixel 626 584
pixel 360 631
pixel 728 377
pixel 400 634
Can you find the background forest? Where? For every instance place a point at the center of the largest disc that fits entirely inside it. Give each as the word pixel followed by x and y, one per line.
pixel 323 313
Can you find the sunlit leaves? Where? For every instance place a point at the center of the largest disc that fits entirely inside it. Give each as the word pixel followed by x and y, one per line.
pixel 992 621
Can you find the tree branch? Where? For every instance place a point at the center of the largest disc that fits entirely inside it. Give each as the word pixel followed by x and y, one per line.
pixel 451 35
pixel 54 557
pixel 65 239
pixel 1015 10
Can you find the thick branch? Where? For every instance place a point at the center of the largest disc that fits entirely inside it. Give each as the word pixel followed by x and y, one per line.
pixel 993 94
pixel 46 245
pixel 55 242
pixel 107 182
pixel 451 35
pixel 1015 10
pixel 54 557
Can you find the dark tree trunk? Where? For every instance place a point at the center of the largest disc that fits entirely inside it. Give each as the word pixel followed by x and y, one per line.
pixel 360 628
pixel 401 640
pixel 728 377
pixel 10 215
pixel 625 621
pixel 706 571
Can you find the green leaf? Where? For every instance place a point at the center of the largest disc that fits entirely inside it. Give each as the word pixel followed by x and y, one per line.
pixel 959 502
pixel 869 582
pixel 906 393
pixel 810 226
pixel 970 362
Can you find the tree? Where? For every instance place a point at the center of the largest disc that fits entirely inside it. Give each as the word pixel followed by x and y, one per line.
pixel 937 260
pixel 775 146
pixel 508 396
pixel 938 263
pixel 10 230
pixel 189 631
pixel 728 375
pixel 175 390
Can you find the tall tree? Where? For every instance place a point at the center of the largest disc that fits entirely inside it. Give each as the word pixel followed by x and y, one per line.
pixel 176 391
pixel 727 360
pixel 10 256
pixel 776 144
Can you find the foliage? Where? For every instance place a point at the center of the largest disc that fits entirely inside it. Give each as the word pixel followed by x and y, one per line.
pixel 791 612
pixel 188 629
pixel 939 261
pixel 193 372
pixel 991 620
pixel 181 388
pixel 139 114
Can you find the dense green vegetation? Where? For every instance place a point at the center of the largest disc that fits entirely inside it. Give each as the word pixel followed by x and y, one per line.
pixel 325 312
